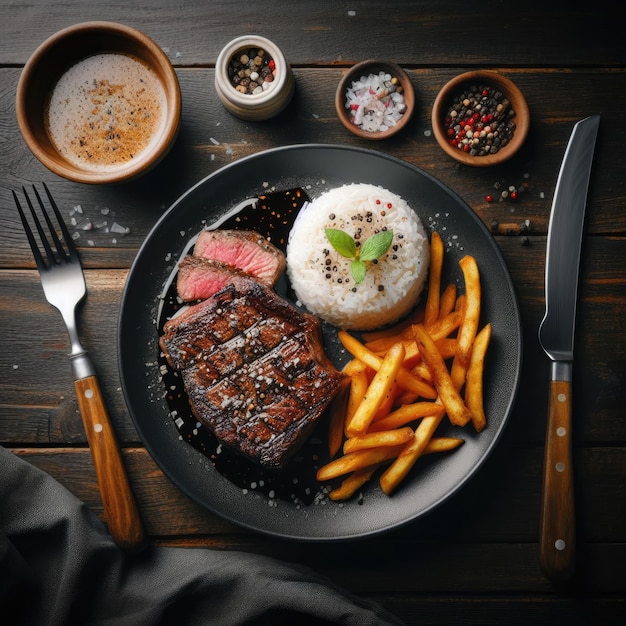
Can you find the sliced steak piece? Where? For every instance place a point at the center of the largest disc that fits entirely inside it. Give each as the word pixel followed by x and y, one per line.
pixel 246 250
pixel 199 279
pixel 254 369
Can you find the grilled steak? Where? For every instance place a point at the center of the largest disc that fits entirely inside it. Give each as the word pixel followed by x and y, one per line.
pixel 254 368
pixel 200 278
pixel 245 250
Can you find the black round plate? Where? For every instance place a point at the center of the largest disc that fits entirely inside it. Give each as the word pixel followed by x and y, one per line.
pixel 433 480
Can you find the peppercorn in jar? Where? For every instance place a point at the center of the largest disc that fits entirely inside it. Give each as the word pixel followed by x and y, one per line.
pixel 251 71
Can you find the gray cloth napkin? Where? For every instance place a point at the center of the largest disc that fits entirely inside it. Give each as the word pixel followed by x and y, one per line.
pixel 58 566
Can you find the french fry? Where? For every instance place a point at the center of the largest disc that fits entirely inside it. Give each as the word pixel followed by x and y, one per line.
pixel 431 310
pixel 354 366
pixel 405 379
pixel 447 301
pixel 388 402
pixel 406 414
pixel 358 387
pixel 382 344
pixel 338 409
pixel 445 326
pixel 352 483
pixel 359 477
pixel 471 316
pixel 442 444
pixel 396 330
pixel 378 389
pixel 397 471
pixel 446 348
pixel 474 382
pixel 457 412
pixel 412 355
pixel 410 397
pixel 357 460
pixel 438 331
pixel 460 303
pixel 392 437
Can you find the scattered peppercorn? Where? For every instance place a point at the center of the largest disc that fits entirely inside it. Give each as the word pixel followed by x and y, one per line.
pixel 480 121
pixel 251 71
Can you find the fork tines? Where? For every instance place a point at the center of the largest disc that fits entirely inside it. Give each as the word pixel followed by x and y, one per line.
pixel 63 255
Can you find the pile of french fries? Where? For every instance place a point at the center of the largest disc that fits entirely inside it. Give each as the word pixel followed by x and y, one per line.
pixel 403 381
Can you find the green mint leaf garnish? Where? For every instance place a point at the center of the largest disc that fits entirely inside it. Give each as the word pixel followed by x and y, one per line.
pixel 376 246
pixel 358 269
pixel 342 242
pixel 372 249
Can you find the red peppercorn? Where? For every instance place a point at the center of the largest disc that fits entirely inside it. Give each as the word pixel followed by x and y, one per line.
pixel 489 198
pixel 272 65
pixel 513 195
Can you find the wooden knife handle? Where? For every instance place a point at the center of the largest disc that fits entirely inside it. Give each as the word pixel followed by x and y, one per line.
pixel 120 509
pixel 557 531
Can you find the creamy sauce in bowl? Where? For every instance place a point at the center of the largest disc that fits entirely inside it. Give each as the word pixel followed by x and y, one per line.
pixel 106 111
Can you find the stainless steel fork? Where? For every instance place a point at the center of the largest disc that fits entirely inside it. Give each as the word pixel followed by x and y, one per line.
pixel 63 284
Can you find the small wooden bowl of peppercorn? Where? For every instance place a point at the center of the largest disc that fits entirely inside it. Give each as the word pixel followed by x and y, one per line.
pixel 375 99
pixel 480 118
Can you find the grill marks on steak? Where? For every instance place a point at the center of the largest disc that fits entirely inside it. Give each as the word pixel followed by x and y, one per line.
pixel 254 368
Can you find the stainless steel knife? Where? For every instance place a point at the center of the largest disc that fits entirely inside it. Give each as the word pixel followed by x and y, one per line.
pixel 556 335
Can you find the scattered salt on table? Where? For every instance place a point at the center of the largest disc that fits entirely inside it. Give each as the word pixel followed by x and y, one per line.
pixel 375 102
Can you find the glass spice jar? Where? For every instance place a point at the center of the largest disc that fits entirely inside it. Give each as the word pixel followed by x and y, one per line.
pixel 252 78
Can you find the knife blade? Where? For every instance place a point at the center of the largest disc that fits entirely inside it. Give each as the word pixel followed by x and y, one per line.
pixel 556 336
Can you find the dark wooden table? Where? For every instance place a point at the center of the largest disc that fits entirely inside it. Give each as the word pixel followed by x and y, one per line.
pixel 474 559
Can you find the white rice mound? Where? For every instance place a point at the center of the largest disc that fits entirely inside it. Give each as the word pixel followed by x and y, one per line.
pixel 321 277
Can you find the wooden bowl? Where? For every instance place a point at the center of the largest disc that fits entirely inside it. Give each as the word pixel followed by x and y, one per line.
pixel 120 154
pixel 364 69
pixel 476 81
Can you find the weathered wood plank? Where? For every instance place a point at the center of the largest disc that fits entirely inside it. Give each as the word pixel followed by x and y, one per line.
pixel 494 610
pixel 424 32
pixel 138 205
pixel 505 492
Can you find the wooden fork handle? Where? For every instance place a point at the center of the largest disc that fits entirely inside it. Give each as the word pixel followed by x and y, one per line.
pixel 557 531
pixel 120 508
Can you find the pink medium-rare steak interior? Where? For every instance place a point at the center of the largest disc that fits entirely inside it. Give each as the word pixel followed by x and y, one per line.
pixel 200 278
pixel 245 250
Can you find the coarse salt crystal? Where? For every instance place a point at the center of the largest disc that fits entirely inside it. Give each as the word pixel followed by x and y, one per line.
pixel 374 103
pixel 119 230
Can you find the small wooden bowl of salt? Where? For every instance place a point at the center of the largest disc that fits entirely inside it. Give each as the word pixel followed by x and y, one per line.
pixel 375 99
